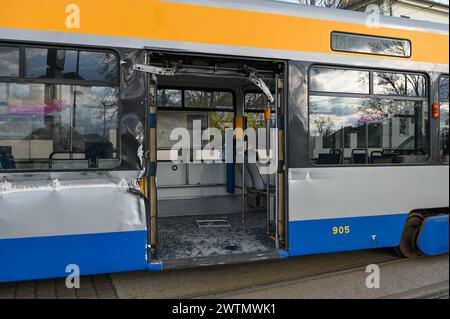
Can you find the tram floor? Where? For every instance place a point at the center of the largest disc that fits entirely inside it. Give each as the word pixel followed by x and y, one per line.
pixel 181 237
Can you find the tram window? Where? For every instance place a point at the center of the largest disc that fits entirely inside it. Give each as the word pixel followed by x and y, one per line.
pixel 46 123
pixel 206 99
pixel 444 119
pixel 9 61
pixel 353 130
pixel 398 84
pixel 370 44
pixel 416 85
pixel 170 98
pixel 443 88
pixel 339 80
pixel 386 83
pixel 70 64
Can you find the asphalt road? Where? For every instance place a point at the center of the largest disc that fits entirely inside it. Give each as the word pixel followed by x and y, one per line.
pixel 341 275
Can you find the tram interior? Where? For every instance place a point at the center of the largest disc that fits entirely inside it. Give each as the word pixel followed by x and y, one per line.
pixel 209 210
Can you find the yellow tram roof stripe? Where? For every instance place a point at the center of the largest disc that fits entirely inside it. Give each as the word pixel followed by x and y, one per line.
pixel 159 20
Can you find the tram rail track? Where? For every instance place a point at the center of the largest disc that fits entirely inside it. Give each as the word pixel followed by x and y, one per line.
pixel 288 280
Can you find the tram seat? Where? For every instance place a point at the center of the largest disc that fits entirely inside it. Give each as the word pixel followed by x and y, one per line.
pixel 378 157
pixel 329 159
pixel 358 157
pixel 6 158
pixel 98 150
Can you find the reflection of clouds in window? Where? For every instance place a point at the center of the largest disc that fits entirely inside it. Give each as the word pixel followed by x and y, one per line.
pixel 36 65
pixel 9 62
pixel 338 80
pixel 97 66
pixel 340 111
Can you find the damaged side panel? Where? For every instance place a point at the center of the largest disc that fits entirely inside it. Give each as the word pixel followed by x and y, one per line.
pixel 50 220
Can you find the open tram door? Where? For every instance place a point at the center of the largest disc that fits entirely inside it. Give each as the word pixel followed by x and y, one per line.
pixel 214 211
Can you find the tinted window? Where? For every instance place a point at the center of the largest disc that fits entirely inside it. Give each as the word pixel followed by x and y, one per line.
pixel 57 126
pixel 70 64
pixel 370 44
pixel 9 61
pixel 339 80
pixel 97 66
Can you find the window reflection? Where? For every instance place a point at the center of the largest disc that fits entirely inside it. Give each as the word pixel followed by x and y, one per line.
pixel 9 61
pixel 70 64
pixel 339 80
pixel 347 130
pixel 370 44
pixel 416 85
pixel 41 124
pixel 389 83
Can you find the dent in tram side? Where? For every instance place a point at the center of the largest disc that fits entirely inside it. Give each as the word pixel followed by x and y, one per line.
pixel 49 220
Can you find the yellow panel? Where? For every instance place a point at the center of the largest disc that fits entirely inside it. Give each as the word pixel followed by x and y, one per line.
pixel 152 19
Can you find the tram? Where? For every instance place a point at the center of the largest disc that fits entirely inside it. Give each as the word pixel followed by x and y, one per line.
pixel 153 135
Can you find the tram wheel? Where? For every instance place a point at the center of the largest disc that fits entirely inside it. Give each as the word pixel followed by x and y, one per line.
pixel 408 244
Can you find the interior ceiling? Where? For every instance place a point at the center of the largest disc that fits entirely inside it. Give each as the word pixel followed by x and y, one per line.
pixel 213 72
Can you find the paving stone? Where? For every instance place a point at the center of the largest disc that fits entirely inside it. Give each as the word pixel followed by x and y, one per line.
pixel 86 292
pixel 8 284
pixel 45 285
pixel 7 296
pixel 112 297
pixel 101 281
pixel 65 293
pixel 103 286
pixel 7 290
pixel 85 285
pixel 24 291
pixel 25 296
pixel 106 294
pixel 85 279
pixel 46 297
pixel 68 297
pixel 26 284
pixel 45 291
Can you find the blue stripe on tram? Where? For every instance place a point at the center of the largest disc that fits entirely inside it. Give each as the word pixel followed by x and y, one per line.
pixel 48 257
pixel 344 234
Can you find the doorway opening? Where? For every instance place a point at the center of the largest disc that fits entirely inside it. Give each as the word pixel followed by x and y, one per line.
pixel 220 204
